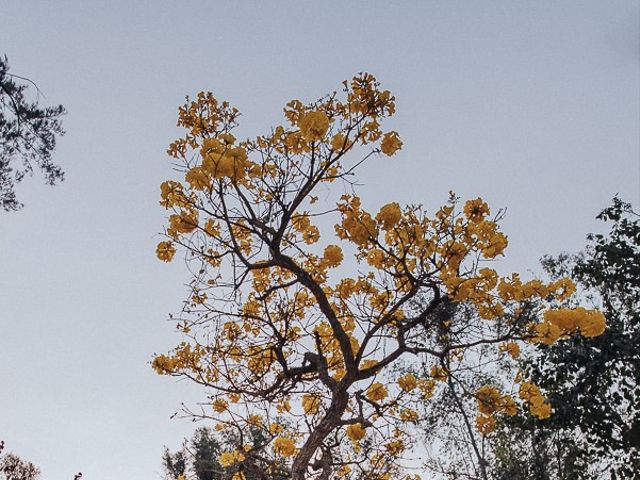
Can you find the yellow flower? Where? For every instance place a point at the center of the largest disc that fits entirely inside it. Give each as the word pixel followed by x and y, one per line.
pixel 310 404
pixel 284 446
pixel 536 400
pixel 592 324
pixel 377 392
pixel 198 178
pixel 395 447
pixel 314 125
pixel 391 143
pixel 185 222
pixel 376 258
pixel 541 410
pixel 227 138
pixel 488 399
pixel 408 415
pixel 476 210
pixel 219 405
pixel 165 251
pixel 547 333
pixel 226 459
pixel 171 194
pixel 485 424
pixel 427 387
pixel 254 420
pixel 275 428
pixel 212 228
pixel 333 255
pixel 508 406
pixel 311 235
pixel 407 382
pixel 512 348
pixel 564 318
pixel 563 288
pixel 495 246
pixel 528 390
pixel 339 142
pixel 389 215
pixel 343 471
pixel 355 432
pixel 232 163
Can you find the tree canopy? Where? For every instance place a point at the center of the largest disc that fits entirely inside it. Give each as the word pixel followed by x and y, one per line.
pixel 302 302
pixel 596 381
pixel 28 135
pixel 12 467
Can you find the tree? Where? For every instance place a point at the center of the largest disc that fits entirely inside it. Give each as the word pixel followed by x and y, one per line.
pixel 13 467
pixel 290 339
pixel 596 381
pixel 198 458
pixel 524 448
pixel 27 137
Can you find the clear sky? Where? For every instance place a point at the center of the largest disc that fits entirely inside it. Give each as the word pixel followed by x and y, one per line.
pixel 533 105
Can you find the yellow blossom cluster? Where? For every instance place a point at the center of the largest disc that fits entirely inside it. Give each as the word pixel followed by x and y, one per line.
pixel 229 458
pixel 165 251
pixel 184 357
pixel 284 446
pixel 355 432
pixel 485 424
pixel 407 382
pixel 538 405
pixel 311 404
pixel 490 402
pixel 565 321
pixel 377 392
pixel 512 348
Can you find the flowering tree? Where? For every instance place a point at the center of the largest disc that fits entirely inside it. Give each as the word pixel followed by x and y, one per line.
pixel 290 338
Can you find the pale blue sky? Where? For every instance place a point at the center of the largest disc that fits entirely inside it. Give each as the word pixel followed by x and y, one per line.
pixel 533 105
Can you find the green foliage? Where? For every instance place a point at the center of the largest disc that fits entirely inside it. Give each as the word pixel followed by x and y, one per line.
pixel 526 448
pixel 27 137
pixel 594 382
pixel 198 458
pixel 206 450
pixel 175 464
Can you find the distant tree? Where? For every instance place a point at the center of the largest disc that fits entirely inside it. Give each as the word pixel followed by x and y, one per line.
pixel 596 381
pixel 13 467
pixel 198 458
pixel 27 136
pixel 528 449
pixel 174 464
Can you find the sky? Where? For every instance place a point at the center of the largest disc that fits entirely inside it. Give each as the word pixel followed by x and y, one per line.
pixel 533 105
